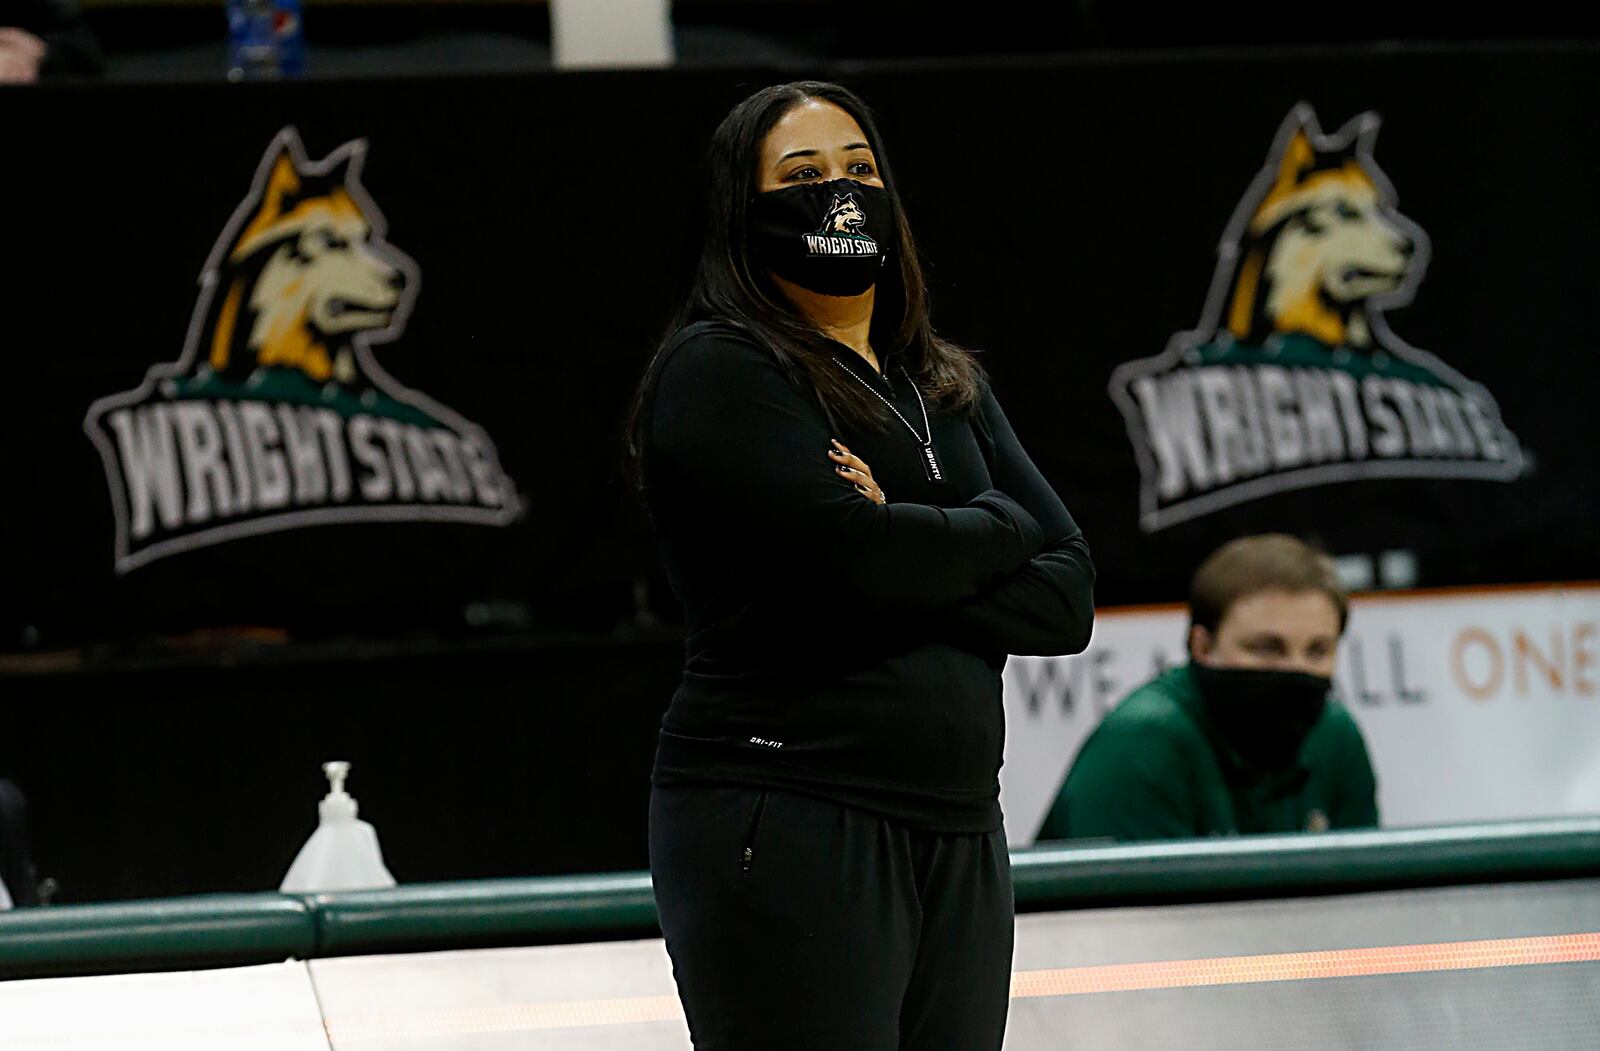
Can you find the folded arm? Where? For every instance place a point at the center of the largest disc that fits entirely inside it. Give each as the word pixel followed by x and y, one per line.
pixel 740 438
pixel 1045 608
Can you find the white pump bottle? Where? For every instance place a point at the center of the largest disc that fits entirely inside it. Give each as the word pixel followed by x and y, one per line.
pixel 342 854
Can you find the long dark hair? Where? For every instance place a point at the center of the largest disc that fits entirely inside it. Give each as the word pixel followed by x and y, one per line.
pixel 727 285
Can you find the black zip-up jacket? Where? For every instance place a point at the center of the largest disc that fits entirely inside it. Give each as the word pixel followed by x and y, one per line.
pixel 837 647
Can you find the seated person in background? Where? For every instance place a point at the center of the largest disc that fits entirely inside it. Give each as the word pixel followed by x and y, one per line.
pixel 42 39
pixel 18 881
pixel 1245 737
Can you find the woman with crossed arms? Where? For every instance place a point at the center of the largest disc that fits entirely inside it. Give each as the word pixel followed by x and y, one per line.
pixel 826 841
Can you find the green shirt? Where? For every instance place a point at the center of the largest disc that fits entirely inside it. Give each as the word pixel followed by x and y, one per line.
pixel 1154 769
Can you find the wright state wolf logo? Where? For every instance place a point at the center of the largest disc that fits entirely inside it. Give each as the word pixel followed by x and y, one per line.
pixel 844 216
pixel 1294 377
pixel 277 414
pixel 840 232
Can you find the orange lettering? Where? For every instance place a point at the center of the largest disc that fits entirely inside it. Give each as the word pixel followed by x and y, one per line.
pixel 1583 657
pixel 1526 653
pixel 1491 684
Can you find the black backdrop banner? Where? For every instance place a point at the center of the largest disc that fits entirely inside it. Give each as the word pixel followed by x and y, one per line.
pixel 353 357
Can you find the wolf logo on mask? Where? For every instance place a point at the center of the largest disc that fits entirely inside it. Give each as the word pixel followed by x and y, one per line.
pixel 841 231
pixel 844 217
pixel 1294 377
pixel 277 414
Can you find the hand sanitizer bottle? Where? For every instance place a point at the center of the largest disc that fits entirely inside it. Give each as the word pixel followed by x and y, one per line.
pixel 342 854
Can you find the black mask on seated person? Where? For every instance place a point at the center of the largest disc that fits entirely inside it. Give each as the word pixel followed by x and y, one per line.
pixel 830 237
pixel 1263 714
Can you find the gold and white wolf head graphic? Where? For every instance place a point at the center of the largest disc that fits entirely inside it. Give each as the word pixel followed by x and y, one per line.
pixel 304 276
pixel 276 414
pixel 1323 244
pixel 1293 377
pixel 844 216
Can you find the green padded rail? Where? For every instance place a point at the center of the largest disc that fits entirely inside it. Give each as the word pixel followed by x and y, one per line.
pixel 219 930
pixel 209 930
pixel 1067 876
pixel 448 915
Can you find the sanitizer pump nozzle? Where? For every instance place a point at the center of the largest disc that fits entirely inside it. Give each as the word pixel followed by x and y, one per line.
pixel 337 803
pixel 343 853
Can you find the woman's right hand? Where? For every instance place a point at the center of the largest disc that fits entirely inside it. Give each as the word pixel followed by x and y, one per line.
pixel 855 470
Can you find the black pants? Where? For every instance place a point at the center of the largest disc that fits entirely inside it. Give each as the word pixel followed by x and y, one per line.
pixel 794 923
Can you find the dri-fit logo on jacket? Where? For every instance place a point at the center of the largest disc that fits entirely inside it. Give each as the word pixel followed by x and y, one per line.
pixel 277 414
pixel 1293 377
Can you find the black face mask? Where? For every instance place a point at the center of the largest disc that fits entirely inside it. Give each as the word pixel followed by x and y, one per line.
pixel 830 237
pixel 1264 715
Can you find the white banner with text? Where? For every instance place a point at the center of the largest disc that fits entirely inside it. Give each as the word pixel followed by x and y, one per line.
pixel 1477 705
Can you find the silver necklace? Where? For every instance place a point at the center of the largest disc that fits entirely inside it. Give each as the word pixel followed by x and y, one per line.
pixel 930 460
